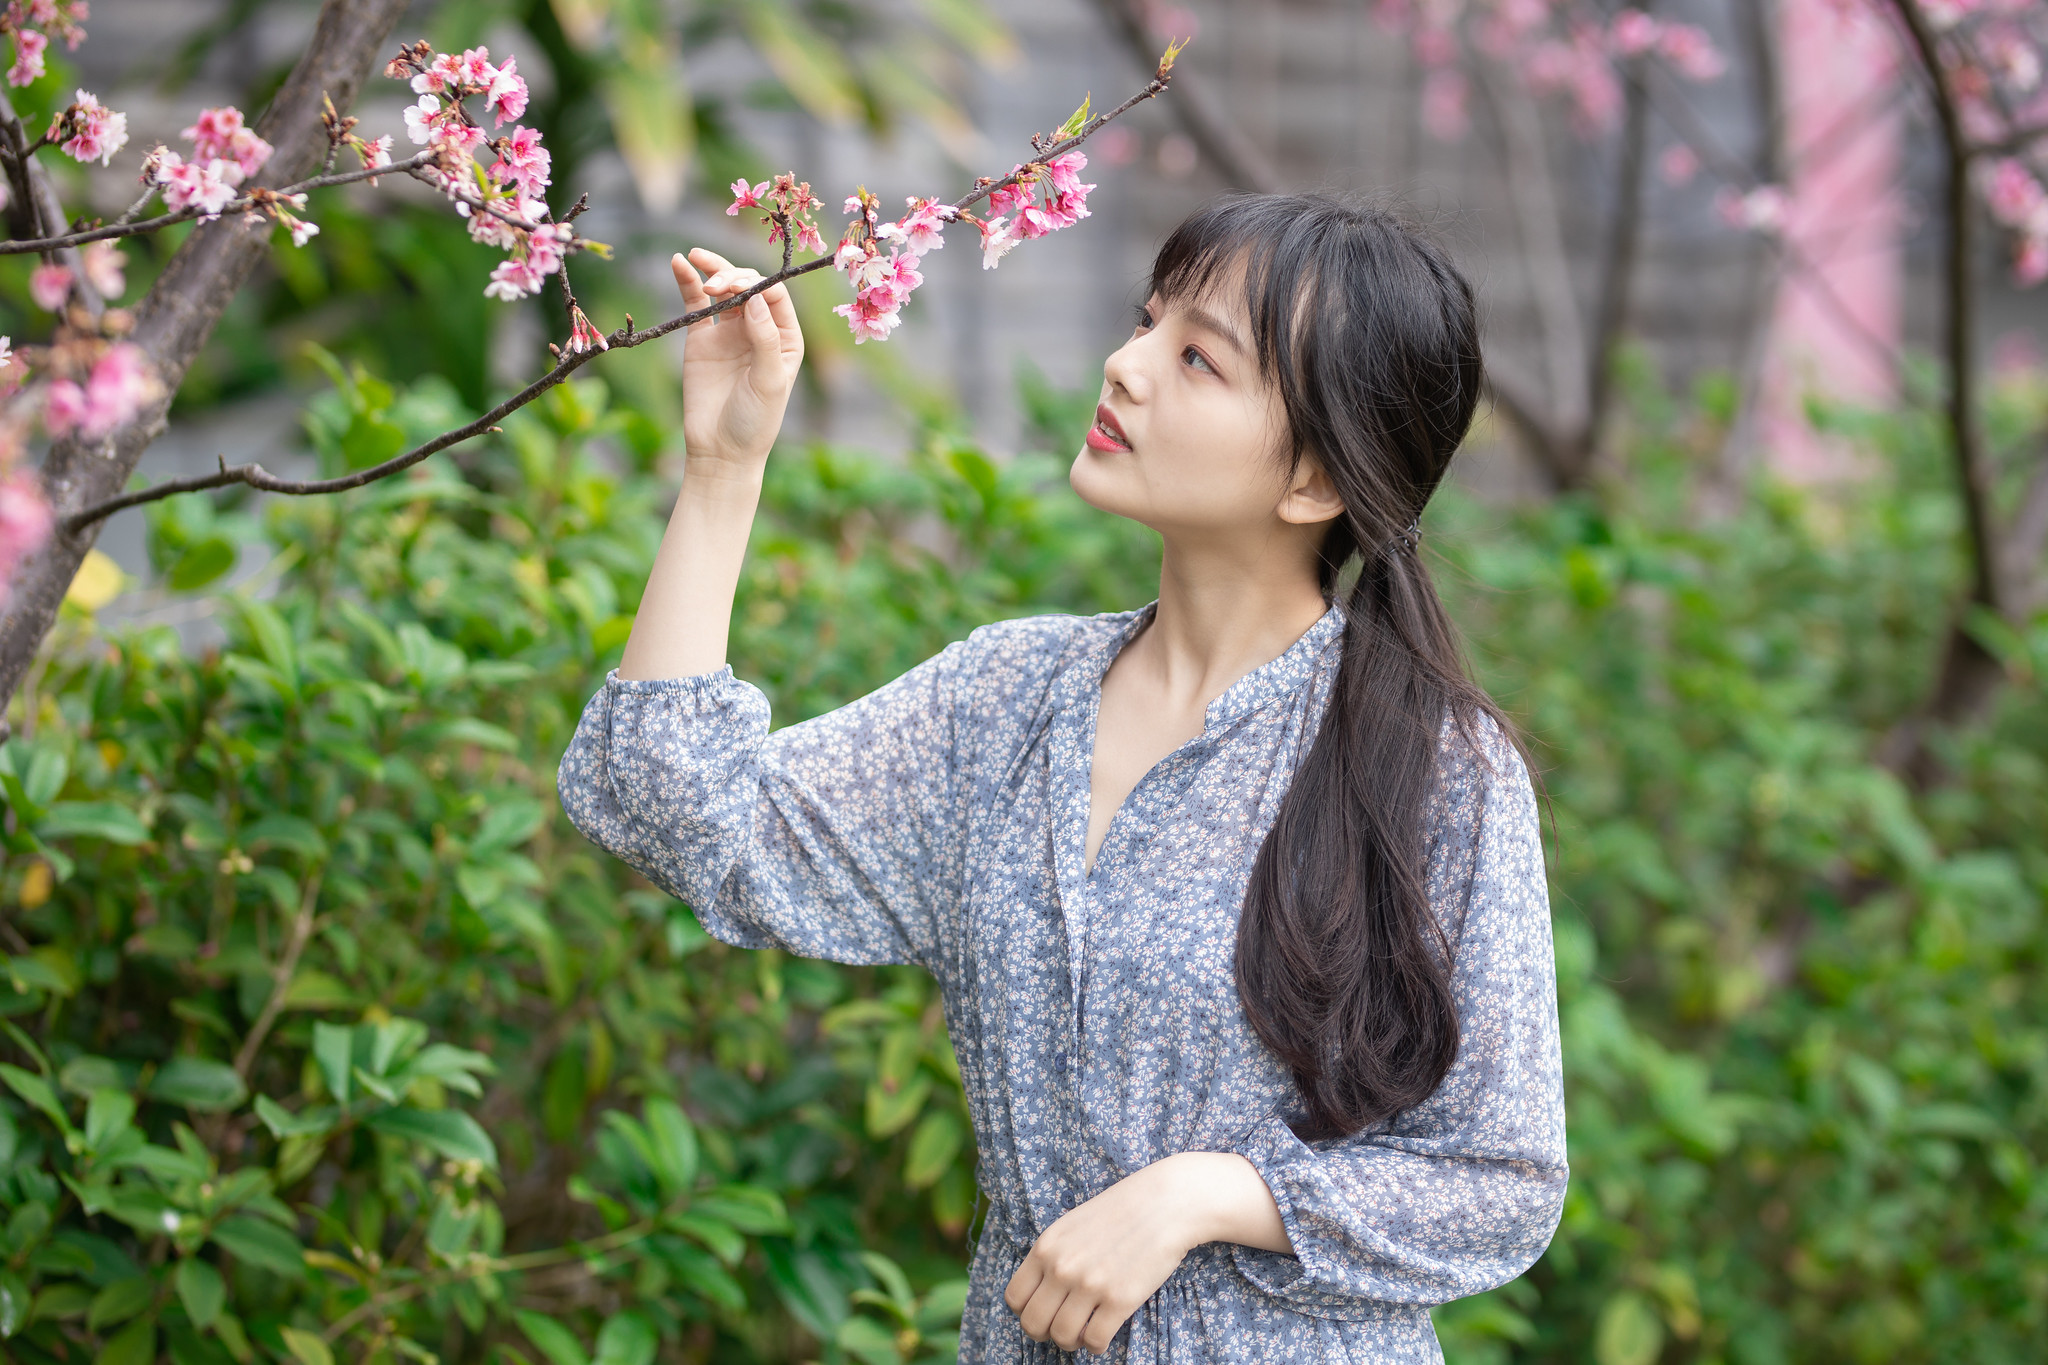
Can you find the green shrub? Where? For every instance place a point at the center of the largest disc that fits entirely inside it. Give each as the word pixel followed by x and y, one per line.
pixel 327 1036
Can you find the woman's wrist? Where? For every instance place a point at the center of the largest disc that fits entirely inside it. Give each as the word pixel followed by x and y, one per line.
pixel 1220 1197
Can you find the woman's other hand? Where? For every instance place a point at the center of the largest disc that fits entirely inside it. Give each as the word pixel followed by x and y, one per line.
pixel 1094 1267
pixel 738 366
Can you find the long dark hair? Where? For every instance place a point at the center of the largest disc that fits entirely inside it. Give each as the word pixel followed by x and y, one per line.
pixel 1370 335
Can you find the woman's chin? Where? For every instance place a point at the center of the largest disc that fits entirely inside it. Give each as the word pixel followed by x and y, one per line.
pixel 1099 486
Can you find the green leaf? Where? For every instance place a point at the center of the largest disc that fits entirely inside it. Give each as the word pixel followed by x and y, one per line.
pixel 47 769
pixel 288 832
pixel 283 1123
pixel 1628 1331
pixel 868 1341
pixel 134 1345
pixel 106 1115
pixel 553 1340
pixel 333 1047
pixel 933 1145
pixel 316 990
pixel 119 1301
pixel 93 820
pixel 890 1112
pixel 450 1132
pixel 201 563
pixel 749 1208
pixel 260 1243
pixel 37 1092
pixel 198 1084
pixel 626 1339
pixel 14 1303
pixel 306 1347
pixel 672 1143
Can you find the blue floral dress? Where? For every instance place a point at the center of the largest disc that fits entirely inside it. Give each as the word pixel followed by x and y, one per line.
pixel 941 820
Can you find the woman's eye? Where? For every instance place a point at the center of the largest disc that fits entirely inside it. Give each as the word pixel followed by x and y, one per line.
pixel 1144 318
pixel 1194 358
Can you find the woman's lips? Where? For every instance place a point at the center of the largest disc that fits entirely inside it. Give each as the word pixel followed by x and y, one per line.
pixel 1106 434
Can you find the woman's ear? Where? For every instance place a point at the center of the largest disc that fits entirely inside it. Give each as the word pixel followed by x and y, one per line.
pixel 1311 497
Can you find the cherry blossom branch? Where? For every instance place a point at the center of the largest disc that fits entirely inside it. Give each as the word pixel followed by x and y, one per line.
pixel 135 228
pixel 624 338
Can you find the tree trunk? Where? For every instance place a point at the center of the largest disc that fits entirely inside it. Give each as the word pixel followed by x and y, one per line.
pixel 174 321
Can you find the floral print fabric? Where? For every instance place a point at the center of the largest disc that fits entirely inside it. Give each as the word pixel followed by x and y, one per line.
pixel 941 820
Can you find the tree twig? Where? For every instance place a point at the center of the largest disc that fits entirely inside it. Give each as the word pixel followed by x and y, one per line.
pixel 127 227
pixel 625 338
pixel 281 975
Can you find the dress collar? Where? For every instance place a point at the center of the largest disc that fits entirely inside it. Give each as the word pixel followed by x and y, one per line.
pixel 1278 677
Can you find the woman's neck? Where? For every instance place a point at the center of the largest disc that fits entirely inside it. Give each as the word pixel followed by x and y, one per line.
pixel 1221 616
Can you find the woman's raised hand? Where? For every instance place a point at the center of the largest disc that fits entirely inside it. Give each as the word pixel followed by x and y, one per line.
pixel 738 367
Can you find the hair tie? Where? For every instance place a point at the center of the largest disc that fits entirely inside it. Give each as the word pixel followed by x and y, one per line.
pixel 1407 540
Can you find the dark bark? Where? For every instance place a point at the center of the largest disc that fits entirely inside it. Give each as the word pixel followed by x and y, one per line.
pixel 1624 245
pixel 1970 675
pixel 1235 159
pixel 174 321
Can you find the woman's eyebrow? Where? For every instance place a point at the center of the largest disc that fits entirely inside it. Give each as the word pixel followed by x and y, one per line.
pixel 1209 322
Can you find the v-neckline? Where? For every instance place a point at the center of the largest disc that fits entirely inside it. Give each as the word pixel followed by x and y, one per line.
pixel 1276 676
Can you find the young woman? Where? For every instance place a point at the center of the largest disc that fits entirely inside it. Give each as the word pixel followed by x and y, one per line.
pixel 1237 900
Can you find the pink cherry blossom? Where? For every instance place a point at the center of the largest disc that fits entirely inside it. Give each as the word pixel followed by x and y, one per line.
pixel 374 154
pixel 49 286
pixel 506 95
pixel 584 337
pixel 523 161
pixel 1444 96
pixel 213 133
pixel 998 239
pixel 923 228
pixel 96 132
pixel 1688 48
pixel 63 408
pixel 513 280
pixel 120 384
pixel 1065 171
pixel 1634 33
pixel 745 196
pixel 869 317
pixel 193 184
pixel 2013 193
pixel 422 119
pixel 809 238
pixel 1761 210
pixel 6 352
pixel 25 522
pixel 105 269
pixel 1009 197
pixel 2030 262
pixel 1679 164
pixel 28 57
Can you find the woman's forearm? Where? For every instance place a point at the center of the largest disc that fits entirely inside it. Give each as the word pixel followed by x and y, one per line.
pixel 685 614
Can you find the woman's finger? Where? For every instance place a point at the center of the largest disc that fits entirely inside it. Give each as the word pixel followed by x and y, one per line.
pixel 709 261
pixel 765 367
pixel 689 283
pixel 1071 1321
pixel 1037 1317
pixel 1022 1284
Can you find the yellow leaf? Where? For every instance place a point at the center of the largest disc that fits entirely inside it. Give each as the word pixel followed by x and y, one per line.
pixel 582 21
pixel 99 580
pixel 35 884
pixel 653 122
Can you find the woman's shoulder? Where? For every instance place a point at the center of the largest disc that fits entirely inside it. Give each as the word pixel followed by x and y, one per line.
pixel 1039 646
pixel 1481 774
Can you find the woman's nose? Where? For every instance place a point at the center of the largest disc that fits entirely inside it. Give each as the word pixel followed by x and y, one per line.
pixel 1123 370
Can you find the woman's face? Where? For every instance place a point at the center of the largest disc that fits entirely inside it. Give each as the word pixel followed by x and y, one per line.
pixel 1190 438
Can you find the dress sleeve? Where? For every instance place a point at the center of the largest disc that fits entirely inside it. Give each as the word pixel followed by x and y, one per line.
pixel 835 838
pixel 1463 1192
